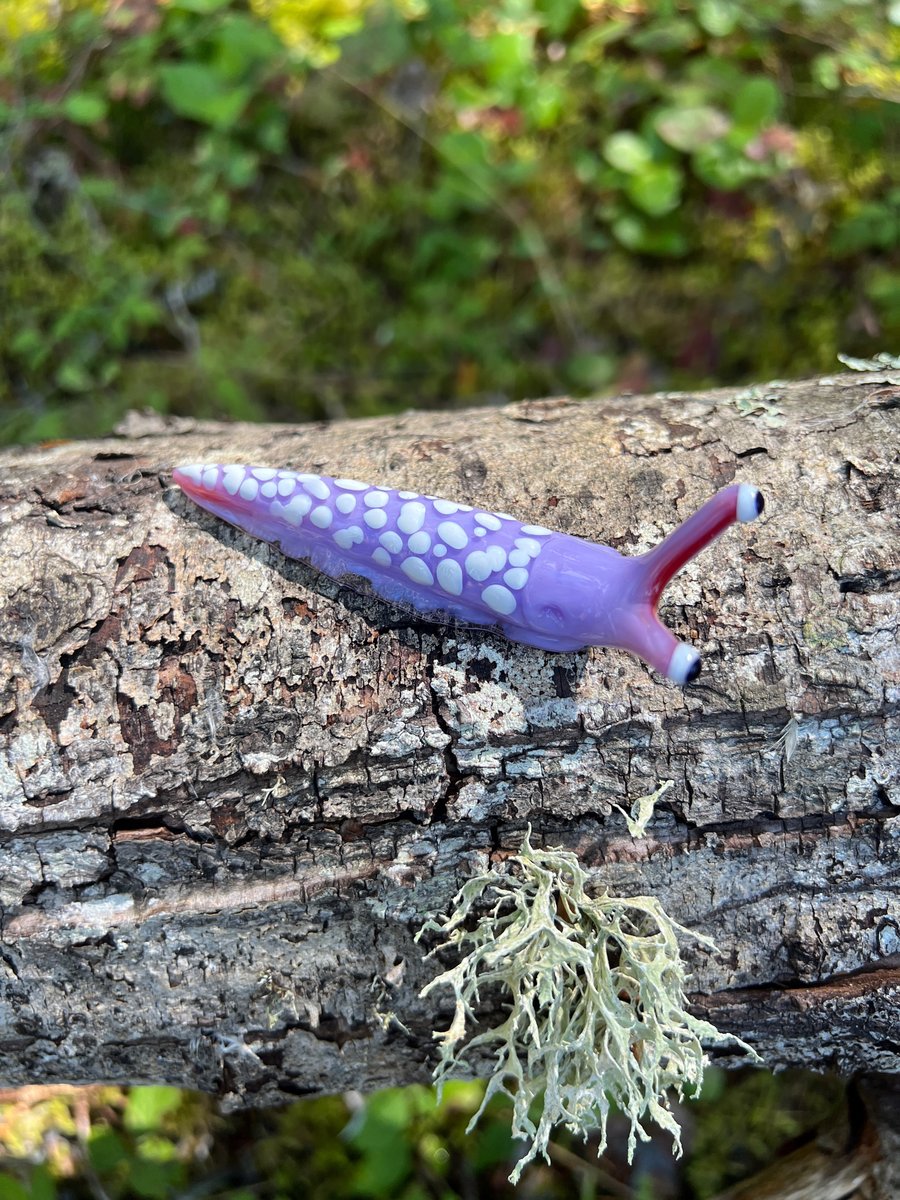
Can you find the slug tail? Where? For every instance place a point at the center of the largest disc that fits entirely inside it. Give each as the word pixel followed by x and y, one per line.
pixel 740 502
pixel 218 489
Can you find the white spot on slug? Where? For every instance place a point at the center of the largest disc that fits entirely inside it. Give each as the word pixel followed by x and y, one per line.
pixel 375 518
pixel 249 489
pixel 315 486
pixel 453 534
pixel 499 598
pixel 321 516
pixel 348 537
pixel 450 577
pixel 412 518
pixel 478 565
pixel 232 479
pixel 295 510
pixel 488 520
pixel 529 545
pixel 417 570
pixel 496 556
pixel 345 503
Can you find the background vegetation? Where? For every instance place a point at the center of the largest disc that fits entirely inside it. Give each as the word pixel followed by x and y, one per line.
pixel 305 208
pixel 158 1142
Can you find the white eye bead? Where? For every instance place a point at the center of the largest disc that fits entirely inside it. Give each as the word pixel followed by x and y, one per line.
pixel 750 502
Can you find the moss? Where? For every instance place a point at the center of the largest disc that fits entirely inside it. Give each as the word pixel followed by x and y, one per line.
pixel 597 1014
pixel 448 225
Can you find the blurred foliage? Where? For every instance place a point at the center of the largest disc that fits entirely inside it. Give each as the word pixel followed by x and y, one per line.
pixel 158 1142
pixel 305 208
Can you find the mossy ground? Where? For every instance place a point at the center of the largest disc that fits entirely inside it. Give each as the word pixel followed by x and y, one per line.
pixel 365 206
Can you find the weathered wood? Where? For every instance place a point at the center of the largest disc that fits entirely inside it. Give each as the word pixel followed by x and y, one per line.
pixel 230 790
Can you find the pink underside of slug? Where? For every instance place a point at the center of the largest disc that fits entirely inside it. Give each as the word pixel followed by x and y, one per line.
pixel 544 589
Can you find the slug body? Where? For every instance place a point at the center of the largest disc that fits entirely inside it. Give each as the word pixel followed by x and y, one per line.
pixel 546 589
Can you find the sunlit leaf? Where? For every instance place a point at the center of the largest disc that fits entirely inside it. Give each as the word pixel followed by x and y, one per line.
pixel 718 17
pixel 147 1106
pixel 627 152
pixel 756 103
pixel 196 91
pixel 656 189
pixel 84 108
pixel 689 128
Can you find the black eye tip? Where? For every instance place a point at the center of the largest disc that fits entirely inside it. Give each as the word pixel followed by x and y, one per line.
pixel 760 503
pixel 693 671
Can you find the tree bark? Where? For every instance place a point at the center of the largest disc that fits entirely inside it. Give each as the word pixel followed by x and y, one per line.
pixel 231 790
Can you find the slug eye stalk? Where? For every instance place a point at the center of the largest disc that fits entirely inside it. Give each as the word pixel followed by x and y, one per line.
pixel 677 660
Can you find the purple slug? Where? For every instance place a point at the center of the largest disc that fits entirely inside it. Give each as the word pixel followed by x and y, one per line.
pixel 542 588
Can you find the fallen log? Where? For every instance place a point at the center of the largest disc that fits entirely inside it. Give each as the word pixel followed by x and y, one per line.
pixel 231 790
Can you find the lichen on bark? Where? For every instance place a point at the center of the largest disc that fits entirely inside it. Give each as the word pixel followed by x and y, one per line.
pixel 593 991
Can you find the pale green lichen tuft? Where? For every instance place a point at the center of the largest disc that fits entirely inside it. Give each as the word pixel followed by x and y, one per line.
pixel 597 1009
pixel 641 812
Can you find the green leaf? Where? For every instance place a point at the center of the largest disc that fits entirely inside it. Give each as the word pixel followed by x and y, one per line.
pixel 826 70
pixel 627 152
pixel 11 1189
pixel 200 93
pixel 199 6
pixel 156 1181
pixel 105 1150
pixel 241 43
pixel 84 108
pixel 72 377
pixel 380 1134
pixel 756 103
pixel 726 167
pixel 690 128
pixel 656 189
pixel 271 133
pixel 718 17
pixel 645 238
pixel 43 1185
pixel 664 34
pixel 148 1105
pixel 589 46
pixel 241 169
pixel 588 373
pixel 156 1148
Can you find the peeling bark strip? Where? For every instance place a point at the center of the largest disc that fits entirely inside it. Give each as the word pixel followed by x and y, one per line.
pixel 230 790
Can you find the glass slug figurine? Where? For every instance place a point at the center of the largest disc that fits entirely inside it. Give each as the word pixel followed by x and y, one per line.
pixel 545 589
